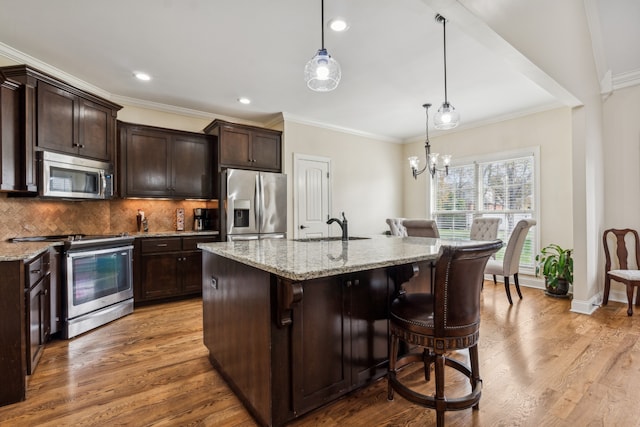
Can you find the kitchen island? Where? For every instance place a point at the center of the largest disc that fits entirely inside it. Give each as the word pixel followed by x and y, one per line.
pixel 292 325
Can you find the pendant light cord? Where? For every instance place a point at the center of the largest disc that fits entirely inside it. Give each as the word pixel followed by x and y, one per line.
pixel 444 38
pixel 322 22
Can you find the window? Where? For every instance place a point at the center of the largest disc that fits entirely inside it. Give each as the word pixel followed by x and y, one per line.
pixel 503 186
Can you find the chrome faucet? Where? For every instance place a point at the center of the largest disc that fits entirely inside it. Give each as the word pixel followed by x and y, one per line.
pixel 342 224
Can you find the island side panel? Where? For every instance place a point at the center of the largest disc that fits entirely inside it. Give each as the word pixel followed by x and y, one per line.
pixel 236 324
pixel 13 359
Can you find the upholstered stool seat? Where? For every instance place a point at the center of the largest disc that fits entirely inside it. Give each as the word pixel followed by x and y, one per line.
pixel 447 319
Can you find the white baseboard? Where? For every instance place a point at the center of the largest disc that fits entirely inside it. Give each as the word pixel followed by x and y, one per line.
pixel 577 306
pixel 586 306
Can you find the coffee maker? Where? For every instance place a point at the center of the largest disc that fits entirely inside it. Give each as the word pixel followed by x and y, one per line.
pixel 204 219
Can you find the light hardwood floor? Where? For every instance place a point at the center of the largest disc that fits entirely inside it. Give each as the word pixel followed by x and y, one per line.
pixel 541 365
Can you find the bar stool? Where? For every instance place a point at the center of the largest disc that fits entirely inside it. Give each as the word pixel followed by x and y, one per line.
pixel 437 323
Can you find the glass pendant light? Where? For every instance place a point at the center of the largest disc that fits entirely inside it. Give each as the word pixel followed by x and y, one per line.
pixel 447 117
pixel 322 73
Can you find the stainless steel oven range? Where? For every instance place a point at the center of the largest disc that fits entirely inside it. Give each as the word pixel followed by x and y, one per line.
pixel 96 279
pixel 98 275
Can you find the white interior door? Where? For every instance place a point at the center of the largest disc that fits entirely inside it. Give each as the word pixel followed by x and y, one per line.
pixel 311 195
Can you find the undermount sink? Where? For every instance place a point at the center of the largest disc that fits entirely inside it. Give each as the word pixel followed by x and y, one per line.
pixel 329 239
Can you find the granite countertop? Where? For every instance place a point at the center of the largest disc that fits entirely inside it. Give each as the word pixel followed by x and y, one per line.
pixel 23 251
pixel 299 260
pixel 174 233
pixel 26 250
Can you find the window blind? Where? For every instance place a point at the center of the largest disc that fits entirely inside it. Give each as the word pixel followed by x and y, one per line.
pixel 503 188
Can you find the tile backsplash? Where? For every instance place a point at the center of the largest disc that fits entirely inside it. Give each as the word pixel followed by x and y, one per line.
pixel 35 217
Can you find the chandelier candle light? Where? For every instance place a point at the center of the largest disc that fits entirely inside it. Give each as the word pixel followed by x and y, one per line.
pixel 432 158
pixel 322 73
pixel 447 117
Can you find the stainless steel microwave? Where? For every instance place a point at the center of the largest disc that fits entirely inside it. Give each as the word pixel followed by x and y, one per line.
pixel 73 177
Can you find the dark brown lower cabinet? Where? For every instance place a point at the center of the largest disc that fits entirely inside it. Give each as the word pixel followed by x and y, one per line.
pixel 38 303
pixel 168 267
pixel 339 337
pixel 24 322
pixel 288 347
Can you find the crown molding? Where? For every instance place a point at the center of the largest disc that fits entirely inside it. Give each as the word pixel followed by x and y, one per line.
pixel 627 79
pixel 287 117
pixel 487 122
pixel 23 58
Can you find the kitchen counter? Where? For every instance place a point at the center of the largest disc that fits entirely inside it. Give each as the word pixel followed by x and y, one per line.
pixel 26 250
pixel 304 260
pixel 292 325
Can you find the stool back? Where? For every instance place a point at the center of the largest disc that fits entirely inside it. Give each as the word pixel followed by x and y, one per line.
pixel 459 274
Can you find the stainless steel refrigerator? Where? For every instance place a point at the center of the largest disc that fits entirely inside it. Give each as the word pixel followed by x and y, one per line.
pixel 254 205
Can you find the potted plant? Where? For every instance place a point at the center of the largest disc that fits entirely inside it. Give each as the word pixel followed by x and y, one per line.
pixel 556 265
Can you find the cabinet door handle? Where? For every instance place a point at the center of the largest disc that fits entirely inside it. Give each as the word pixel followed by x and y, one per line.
pixel 161 245
pixel 349 283
pixel 356 282
pixel 36 271
pixel 214 283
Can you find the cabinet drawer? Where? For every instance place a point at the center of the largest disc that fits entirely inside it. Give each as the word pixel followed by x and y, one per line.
pixel 36 269
pixel 169 244
pixel 191 243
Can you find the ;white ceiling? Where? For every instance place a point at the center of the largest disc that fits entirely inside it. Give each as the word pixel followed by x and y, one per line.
pixel 204 54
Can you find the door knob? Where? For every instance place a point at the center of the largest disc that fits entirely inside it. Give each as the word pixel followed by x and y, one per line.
pixel 302 227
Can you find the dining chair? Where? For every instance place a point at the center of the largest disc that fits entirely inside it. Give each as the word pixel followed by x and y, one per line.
pixel 396 228
pixel 484 228
pixel 622 263
pixel 510 264
pixel 437 323
pixel 421 228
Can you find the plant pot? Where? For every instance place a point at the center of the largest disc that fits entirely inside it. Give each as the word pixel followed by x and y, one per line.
pixel 560 290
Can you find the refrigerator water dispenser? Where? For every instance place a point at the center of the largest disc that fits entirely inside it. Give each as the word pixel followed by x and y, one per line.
pixel 241 213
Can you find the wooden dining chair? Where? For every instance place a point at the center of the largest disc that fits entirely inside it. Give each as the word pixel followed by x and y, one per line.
pixel 622 262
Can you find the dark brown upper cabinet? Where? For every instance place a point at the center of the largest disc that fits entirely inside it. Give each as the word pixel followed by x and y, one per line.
pixel 71 124
pixel 247 147
pixel 12 176
pixel 163 163
pixel 59 117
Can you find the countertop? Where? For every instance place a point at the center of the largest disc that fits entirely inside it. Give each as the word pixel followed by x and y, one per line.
pixel 300 260
pixel 27 250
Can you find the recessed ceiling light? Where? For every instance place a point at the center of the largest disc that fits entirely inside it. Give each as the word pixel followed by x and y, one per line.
pixel 142 76
pixel 338 24
pixel 244 100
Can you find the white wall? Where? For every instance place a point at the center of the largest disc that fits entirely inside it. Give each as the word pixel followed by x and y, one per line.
pixel 549 130
pixel 366 175
pixel 622 166
pixel 555 36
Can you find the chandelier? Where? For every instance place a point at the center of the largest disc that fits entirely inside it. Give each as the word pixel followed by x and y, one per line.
pixel 435 162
